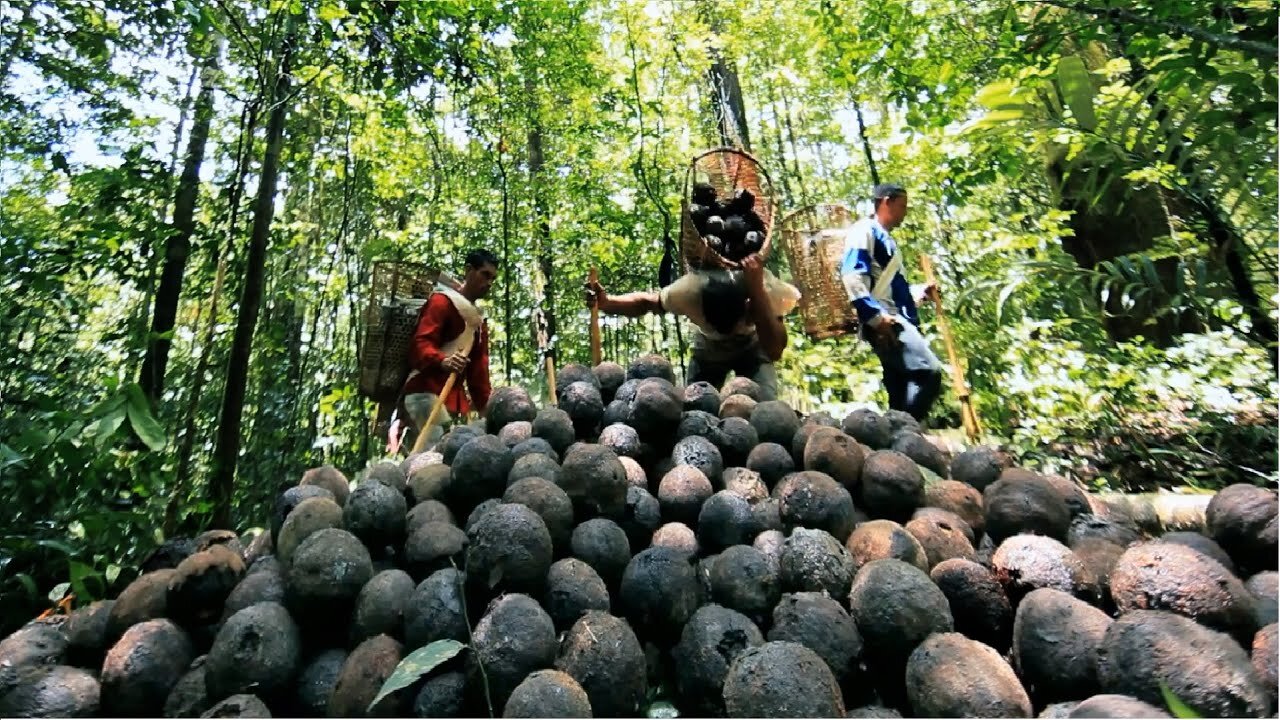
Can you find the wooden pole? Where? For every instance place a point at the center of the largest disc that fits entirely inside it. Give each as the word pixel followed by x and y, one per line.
pixel 551 380
pixel 967 415
pixel 595 326
pixel 425 430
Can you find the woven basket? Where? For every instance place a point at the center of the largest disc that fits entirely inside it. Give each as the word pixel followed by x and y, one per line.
pixel 814 245
pixel 727 170
pixel 397 293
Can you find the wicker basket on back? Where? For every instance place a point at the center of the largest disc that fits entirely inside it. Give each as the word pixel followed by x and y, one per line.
pixel 813 239
pixel 727 170
pixel 398 291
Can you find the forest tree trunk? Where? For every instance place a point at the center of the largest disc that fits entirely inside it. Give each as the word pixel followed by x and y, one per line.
pixel 791 140
pixel 178 249
pixel 227 448
pixel 866 144
pixel 508 335
pixel 186 446
pixel 725 97
pixel 542 220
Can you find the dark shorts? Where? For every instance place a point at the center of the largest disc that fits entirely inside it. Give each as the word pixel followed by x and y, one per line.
pixel 713 360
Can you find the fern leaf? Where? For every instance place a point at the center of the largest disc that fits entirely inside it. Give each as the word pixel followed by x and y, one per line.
pixel 1077 90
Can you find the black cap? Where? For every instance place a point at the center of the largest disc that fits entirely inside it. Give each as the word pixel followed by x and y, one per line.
pixel 885 191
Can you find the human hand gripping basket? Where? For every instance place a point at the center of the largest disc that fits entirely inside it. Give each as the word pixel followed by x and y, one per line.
pixel 813 239
pixel 728 172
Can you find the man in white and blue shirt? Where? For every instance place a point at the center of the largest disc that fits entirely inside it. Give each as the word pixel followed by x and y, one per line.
pixel 886 304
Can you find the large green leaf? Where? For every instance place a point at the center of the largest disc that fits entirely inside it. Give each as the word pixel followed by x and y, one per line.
pixel 28 583
pixel 143 422
pixel 80 573
pixel 1077 90
pixel 59 591
pixel 55 545
pixel 106 426
pixel 418 663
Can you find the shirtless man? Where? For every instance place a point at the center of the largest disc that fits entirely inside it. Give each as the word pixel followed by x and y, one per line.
pixel 738 316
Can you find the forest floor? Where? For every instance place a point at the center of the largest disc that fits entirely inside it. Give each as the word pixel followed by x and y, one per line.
pixel 1166 451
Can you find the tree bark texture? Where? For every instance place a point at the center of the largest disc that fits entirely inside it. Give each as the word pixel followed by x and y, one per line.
pixel 227 448
pixel 178 248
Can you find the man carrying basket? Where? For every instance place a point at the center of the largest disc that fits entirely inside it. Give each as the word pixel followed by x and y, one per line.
pixel 886 304
pixel 451 337
pixel 738 316
pixel 735 303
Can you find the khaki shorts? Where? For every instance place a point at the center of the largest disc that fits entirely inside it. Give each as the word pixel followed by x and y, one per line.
pixel 713 360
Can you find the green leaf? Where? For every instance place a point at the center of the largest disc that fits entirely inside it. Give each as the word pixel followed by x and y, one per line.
pixel 143 422
pixel 996 94
pixel 10 457
pixel 104 427
pixel 79 573
pixel 56 545
pixel 1006 114
pixel 1077 90
pixel 418 663
pixel 1178 708
pixel 330 12
pixel 29 583
pixel 946 71
pixel 1004 296
pixel 59 591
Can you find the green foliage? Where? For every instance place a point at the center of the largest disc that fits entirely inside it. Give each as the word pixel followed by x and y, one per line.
pixel 416 664
pixel 84 497
pixel 1077 90
pixel 1206 417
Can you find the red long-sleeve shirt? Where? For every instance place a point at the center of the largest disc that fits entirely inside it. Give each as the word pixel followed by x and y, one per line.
pixel 439 322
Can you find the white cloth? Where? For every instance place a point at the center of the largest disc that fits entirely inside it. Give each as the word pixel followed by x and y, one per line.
pixel 684 297
pixel 471 318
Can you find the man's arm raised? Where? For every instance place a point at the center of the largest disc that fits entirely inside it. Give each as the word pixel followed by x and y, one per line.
pixel 769 326
pixel 629 305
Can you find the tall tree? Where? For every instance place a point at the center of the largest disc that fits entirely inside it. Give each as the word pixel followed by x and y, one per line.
pixel 546 309
pixel 178 248
pixel 227 448
pixel 724 99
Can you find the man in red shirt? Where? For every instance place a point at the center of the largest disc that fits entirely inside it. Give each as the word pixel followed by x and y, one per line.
pixel 451 337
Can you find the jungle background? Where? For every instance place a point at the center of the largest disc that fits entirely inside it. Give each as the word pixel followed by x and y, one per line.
pixel 192 195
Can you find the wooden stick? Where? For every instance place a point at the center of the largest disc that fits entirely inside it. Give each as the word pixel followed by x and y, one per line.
pixel 1154 513
pixel 435 415
pixel 595 325
pixel 967 414
pixel 448 388
pixel 551 381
